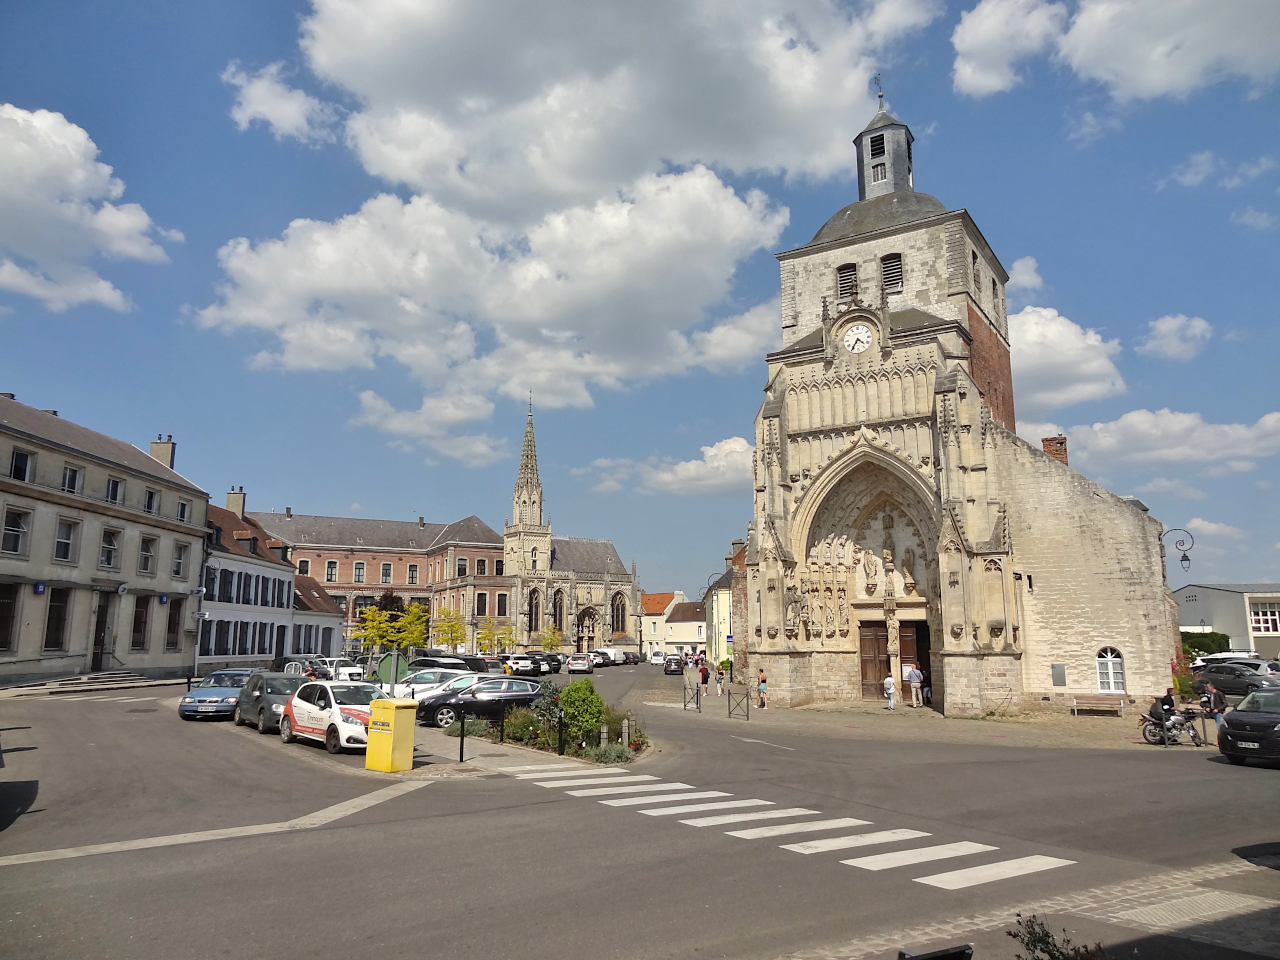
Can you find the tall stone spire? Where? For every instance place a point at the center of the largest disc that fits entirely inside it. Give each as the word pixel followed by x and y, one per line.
pixel 526 503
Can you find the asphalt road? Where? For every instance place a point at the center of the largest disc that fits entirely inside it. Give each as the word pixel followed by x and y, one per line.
pixel 498 866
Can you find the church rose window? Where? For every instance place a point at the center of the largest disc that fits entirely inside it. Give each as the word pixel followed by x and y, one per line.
pixel 1110 670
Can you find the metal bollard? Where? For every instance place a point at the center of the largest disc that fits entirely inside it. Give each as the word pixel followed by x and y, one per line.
pixel 502 726
pixel 560 734
pixel 462 736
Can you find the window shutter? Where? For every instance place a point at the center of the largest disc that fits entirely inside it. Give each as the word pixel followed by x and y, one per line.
pixel 846 281
pixel 891 272
pixel 877 145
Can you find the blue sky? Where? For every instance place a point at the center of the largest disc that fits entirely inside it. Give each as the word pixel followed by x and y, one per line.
pixel 331 247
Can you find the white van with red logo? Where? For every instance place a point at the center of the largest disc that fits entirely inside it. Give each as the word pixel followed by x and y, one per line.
pixel 335 712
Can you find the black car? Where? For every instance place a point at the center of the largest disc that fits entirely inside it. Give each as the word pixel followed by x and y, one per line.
pixel 672 665
pixel 448 662
pixel 485 698
pixel 262 699
pixel 629 657
pixel 1252 730
pixel 1236 679
pixel 555 660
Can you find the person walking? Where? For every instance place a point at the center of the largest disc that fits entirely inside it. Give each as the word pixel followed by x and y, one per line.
pixel 916 679
pixel 1217 707
pixel 705 677
pixel 720 682
pixel 762 685
pixel 890 690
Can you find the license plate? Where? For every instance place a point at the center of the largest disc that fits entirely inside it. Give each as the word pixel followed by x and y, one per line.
pixel 209 708
pixel 1245 745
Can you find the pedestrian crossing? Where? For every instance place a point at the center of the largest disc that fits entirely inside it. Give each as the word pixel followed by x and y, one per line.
pixel 650 796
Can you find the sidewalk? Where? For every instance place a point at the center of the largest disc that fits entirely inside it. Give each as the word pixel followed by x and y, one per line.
pixel 435 755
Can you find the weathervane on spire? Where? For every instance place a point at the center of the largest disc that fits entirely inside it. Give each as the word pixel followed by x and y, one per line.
pixel 879 89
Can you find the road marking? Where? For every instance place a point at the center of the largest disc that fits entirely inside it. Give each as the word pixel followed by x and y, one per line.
pixel 765 742
pixel 633 801
pixel 137 699
pixel 958 879
pixel 636 788
pixel 540 766
pixel 319 818
pixel 597 781
pixel 576 772
pixel 699 807
pixel 546 770
pixel 858 840
pixel 741 817
pixel 809 826
pixel 902 858
pixel 63 699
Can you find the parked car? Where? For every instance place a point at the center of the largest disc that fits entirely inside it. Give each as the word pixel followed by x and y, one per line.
pixel 616 656
pixel 656 657
pixel 630 657
pixel 488 698
pixel 673 665
pixel 447 662
pixel 340 668
pixel 262 699
pixel 556 661
pixel 333 712
pixel 580 663
pixel 522 665
pixel 415 685
pixel 214 696
pixel 1253 728
pixel 1236 679
pixel 600 658
pixel 281 665
pixel 544 665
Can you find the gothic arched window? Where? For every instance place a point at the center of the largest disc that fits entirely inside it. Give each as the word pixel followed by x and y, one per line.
pixel 1110 670
pixel 535 612
pixel 557 610
pixel 619 613
pixel 533 559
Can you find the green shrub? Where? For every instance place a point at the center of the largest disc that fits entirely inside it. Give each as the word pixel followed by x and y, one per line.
pixel 522 726
pixel 639 740
pixel 584 710
pixel 476 727
pixel 726 664
pixel 610 753
pixel 613 720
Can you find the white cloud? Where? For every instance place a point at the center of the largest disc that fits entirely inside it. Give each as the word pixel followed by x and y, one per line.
pixel 1254 219
pixel 1174 488
pixel 1167 436
pixel 1176 337
pixel 1057 363
pixel 1034 431
pixel 1249 170
pixel 1209 528
pixel 724 468
pixel 59 211
pixel 1088 126
pixel 1136 49
pixel 1193 171
pixel 263 96
pixel 1024 275
pixel 993 37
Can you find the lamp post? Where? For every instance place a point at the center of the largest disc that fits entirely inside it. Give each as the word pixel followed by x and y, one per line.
pixel 1183 543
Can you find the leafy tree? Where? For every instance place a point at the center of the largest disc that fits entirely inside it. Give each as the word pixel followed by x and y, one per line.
pixel 506 637
pixel 390 601
pixel 414 626
pixel 378 628
pixel 550 639
pixel 448 629
pixel 583 709
pixel 487 637
pixel 1198 644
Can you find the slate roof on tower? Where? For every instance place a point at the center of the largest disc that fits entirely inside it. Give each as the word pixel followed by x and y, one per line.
pixel 581 555
pixel 878 213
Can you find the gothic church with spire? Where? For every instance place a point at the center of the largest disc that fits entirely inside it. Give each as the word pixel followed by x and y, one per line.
pixel 898 518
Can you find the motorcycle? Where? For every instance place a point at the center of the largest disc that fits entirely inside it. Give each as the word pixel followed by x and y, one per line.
pixel 1180 724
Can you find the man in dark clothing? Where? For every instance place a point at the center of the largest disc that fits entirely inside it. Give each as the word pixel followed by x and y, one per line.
pixel 1217 706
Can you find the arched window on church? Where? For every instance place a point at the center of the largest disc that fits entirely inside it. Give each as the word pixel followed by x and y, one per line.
pixel 535 612
pixel 1110 670
pixel 533 559
pixel 891 272
pixel 619 613
pixel 846 282
pixel 557 610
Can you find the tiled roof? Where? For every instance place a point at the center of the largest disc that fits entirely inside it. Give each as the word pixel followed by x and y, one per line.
pixel 54 430
pixel 655 604
pixel 236 533
pixel 309 595
pixel 687 613
pixel 722 582
pixel 582 555
pixel 301 528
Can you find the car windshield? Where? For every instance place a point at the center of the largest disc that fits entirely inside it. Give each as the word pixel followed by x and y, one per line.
pixel 224 680
pixel 1261 701
pixel 356 694
pixel 283 686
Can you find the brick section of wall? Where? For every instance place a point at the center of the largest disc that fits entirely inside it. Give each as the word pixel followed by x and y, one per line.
pixel 990 369
pixel 1055 447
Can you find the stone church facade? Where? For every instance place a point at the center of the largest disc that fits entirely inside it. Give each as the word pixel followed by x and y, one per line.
pixel 577 584
pixel 898 518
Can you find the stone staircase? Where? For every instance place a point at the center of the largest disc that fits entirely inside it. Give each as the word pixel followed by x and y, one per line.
pixel 87 683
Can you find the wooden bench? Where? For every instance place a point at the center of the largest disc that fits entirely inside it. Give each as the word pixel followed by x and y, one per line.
pixel 1109 702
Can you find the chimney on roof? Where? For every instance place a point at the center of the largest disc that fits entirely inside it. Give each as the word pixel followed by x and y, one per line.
pixel 52 413
pixel 422 522
pixel 164 449
pixel 235 502
pixel 288 513
pixel 1055 447
pixel 8 396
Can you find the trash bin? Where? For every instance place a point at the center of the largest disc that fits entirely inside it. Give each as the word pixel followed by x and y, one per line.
pixel 391 728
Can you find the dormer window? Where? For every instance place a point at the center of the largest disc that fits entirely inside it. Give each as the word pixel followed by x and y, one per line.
pixel 891 272
pixel 846 281
pixel 878 173
pixel 877 145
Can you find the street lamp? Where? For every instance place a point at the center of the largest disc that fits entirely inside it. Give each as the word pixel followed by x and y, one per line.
pixel 1183 543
